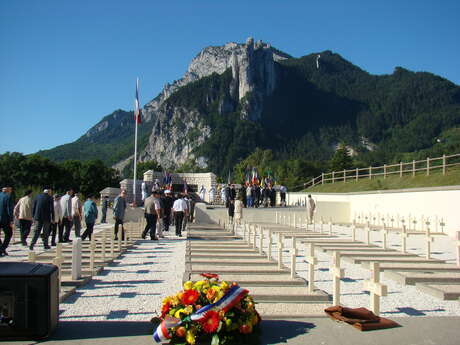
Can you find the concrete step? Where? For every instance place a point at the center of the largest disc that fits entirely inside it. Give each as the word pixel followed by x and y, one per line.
pixel 283 310
pixel 235 243
pixel 231 261
pixel 287 294
pixel 257 280
pixel 434 266
pixel 348 248
pixel 446 292
pixel 222 255
pixel 377 254
pixel 238 251
pixel 250 270
pixel 412 277
pixel 389 259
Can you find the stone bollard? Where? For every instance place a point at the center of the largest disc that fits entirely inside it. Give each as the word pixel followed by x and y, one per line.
pixel 312 261
pixel 295 225
pixel 321 224
pixel 112 248
pixel 293 257
pixel 261 240
pixel 403 236
pixel 330 227
pixel 92 247
pixel 245 226
pixel 375 288
pixel 254 239
pixel 119 245
pixel 457 245
pixel 367 229
pixel 429 239
pixel 125 241
pixel 270 242
pixel 337 274
pixel 76 258
pixel 280 250
pixel 353 231
pixel 103 245
pixel 384 236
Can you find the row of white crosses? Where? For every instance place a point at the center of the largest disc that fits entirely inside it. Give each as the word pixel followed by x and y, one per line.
pixel 374 286
pixel 396 221
pixel 404 230
pixel 77 249
pixel 300 220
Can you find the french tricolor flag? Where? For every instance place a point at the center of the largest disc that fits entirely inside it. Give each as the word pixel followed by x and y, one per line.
pixel 137 107
pixel 162 335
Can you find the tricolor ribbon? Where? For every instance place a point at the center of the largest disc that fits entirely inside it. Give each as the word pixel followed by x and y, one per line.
pixel 232 297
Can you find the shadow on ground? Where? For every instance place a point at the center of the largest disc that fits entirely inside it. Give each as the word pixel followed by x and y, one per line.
pixel 280 331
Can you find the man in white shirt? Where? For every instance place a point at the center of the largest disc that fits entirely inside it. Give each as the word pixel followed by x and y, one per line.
pixel 311 206
pixel 76 214
pixel 152 214
pixel 180 210
pixel 66 207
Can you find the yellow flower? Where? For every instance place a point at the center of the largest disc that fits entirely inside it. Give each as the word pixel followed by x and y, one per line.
pixel 175 300
pixel 219 295
pixel 224 285
pixel 188 309
pixel 178 312
pixel 188 285
pixel 190 337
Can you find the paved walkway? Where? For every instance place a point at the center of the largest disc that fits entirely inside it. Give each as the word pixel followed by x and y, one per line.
pixel 115 308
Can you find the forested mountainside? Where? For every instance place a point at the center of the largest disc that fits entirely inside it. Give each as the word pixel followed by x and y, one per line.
pixel 239 97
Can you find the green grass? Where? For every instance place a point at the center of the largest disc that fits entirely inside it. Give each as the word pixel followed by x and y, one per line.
pixel 435 179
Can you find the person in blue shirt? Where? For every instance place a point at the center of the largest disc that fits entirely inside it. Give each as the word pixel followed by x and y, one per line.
pixel 6 218
pixel 90 212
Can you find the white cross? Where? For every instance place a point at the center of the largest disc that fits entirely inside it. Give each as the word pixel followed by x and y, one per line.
pixel 429 239
pixel 312 261
pixel 337 274
pixel 375 288
pixel 457 244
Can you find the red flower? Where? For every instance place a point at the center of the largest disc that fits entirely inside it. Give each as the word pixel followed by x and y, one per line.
pixel 210 322
pixel 210 275
pixel 165 309
pixel 189 297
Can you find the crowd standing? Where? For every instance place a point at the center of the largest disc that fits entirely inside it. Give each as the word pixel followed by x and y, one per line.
pixel 50 216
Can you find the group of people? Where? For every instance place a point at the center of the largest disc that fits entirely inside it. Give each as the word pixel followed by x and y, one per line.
pixel 162 209
pixel 47 216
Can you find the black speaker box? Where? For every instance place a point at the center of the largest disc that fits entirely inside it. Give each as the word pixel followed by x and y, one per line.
pixel 29 300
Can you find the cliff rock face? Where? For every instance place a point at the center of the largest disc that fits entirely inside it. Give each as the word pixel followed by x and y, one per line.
pixel 177 131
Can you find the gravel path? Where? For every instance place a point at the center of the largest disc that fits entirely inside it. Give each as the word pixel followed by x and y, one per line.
pixel 132 287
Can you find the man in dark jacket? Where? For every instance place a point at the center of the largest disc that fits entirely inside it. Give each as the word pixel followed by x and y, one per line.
pixel 43 214
pixel 6 218
pixel 168 202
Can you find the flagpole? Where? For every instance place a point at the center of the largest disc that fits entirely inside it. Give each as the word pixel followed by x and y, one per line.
pixel 135 142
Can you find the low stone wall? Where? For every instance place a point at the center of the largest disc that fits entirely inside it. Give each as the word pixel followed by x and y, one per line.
pixel 436 204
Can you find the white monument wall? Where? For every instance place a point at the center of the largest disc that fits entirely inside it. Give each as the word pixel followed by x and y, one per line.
pixel 433 203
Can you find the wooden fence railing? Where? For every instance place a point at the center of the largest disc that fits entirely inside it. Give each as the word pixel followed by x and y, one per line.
pixel 400 169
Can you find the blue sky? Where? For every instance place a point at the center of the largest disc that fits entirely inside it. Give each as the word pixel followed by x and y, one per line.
pixel 66 64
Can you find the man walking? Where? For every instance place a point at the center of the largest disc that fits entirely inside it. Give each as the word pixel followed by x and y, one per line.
pixel 104 207
pixel 43 215
pixel 119 208
pixel 311 206
pixel 90 212
pixel 6 219
pixel 23 212
pixel 77 212
pixel 152 213
pixel 66 208
pixel 180 211
pixel 167 206
pixel 56 224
